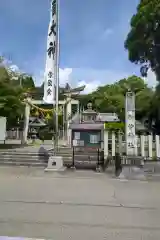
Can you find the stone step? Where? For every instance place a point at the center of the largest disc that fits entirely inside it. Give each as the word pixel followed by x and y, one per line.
pixel 22 160
pixel 19 238
pixel 70 151
pixel 23 154
pixel 43 158
pixel 30 156
pixel 11 158
pixel 85 162
pixel 62 150
pixel 18 163
pixel 67 161
pixel 64 154
pixel 77 153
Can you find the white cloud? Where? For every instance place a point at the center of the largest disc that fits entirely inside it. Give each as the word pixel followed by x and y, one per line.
pixel 90 86
pixel 151 78
pixel 38 77
pixel 8 63
pixel 14 68
pixel 107 33
pixel 64 75
pixel 91 78
pixel 5 61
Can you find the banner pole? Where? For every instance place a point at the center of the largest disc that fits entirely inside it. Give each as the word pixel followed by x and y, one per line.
pixel 57 79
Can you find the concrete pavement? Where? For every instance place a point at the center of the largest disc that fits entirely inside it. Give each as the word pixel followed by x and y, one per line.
pixel 77 205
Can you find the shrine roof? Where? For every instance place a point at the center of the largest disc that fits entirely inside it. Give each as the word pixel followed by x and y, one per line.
pixel 100 118
pixel 87 126
pixel 89 111
pixel 38 93
pixel 68 89
pixel 107 117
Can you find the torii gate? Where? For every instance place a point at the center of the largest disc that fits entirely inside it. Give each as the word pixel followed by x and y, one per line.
pixel 68 102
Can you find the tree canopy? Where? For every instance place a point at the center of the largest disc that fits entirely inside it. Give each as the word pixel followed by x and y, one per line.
pixel 111 98
pixel 143 39
pixel 10 103
pixel 11 93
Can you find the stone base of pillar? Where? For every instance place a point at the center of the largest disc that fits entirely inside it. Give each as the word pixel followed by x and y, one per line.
pixel 132 168
pixel 99 169
pixel 73 168
pixel 55 164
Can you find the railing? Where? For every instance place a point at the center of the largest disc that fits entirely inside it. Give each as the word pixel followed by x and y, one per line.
pixel 87 156
pixel 148 146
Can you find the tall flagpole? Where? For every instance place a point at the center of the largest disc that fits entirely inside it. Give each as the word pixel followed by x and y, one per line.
pixel 57 75
pixel 51 76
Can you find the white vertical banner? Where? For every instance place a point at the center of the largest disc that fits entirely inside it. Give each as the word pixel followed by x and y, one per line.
pixel 131 141
pixel 50 76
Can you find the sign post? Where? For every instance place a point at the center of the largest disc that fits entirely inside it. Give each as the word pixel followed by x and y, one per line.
pixel 131 140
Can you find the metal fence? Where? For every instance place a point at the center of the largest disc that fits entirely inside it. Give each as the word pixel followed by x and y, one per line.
pixel 85 156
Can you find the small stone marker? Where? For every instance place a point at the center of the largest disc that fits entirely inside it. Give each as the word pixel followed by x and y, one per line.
pixel 55 164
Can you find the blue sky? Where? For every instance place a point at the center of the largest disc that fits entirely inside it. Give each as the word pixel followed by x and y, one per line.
pixel 92 35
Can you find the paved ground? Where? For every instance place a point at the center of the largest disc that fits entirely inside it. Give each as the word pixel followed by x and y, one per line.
pixel 77 205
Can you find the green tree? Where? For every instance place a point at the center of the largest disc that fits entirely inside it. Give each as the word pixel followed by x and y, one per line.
pixel 11 97
pixel 143 39
pixel 111 98
pixel 24 81
pixel 132 83
pixel 11 105
pixel 144 103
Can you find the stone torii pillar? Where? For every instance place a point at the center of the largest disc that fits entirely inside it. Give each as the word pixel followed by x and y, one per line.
pixel 69 93
pixel 69 115
pixel 26 119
